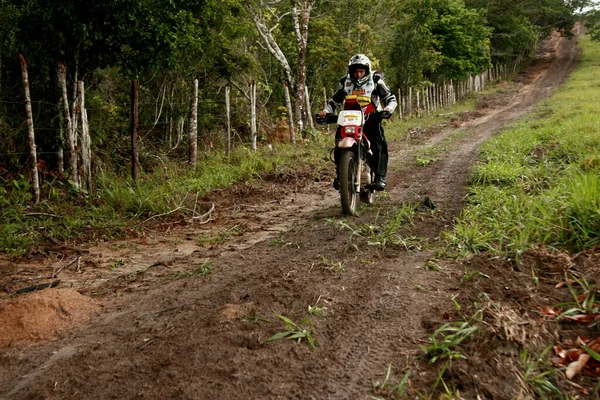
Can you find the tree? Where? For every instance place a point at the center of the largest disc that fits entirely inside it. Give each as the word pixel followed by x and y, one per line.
pixel 518 23
pixel 300 11
pixel 462 39
pixel 412 51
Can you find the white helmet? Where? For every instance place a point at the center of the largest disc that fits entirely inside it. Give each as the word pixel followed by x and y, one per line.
pixel 359 61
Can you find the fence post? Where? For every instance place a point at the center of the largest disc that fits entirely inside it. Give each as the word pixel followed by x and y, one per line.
pixel 228 116
pixel 288 104
pixel 253 130
pixel 410 102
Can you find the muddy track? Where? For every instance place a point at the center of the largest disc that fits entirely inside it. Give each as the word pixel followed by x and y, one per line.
pixel 199 337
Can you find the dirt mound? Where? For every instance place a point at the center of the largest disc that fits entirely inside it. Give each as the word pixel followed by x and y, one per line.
pixel 40 315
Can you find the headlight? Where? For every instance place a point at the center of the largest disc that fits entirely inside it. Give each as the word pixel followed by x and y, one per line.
pixel 350 130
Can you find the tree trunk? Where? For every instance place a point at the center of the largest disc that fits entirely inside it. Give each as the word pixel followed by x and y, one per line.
pixel 253 131
pixel 61 138
pixel 135 155
pixel 300 20
pixel 31 134
pixel 86 143
pixel 309 111
pixel 288 104
pixel 193 145
pixel 228 114
pixel 271 44
pixel 69 127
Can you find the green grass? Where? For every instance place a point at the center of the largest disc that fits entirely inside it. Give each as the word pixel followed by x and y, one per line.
pixel 539 181
pixel 118 207
pixel 298 332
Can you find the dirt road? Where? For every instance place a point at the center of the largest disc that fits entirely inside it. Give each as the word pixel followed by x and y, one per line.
pixel 185 320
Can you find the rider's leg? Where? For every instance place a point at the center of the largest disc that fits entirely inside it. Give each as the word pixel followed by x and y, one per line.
pixel 336 158
pixel 379 161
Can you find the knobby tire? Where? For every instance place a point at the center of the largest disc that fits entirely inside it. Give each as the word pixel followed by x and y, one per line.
pixel 348 170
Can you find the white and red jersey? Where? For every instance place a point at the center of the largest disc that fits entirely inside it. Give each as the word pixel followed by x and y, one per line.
pixel 373 87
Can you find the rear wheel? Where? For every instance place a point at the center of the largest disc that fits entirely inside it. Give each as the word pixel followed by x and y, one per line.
pixel 348 169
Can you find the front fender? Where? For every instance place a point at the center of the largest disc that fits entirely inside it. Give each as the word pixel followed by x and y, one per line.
pixel 346 143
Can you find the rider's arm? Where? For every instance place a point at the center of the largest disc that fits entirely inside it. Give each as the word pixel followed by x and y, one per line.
pixel 338 98
pixel 387 97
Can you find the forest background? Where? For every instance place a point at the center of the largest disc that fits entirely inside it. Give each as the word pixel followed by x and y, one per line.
pixel 156 50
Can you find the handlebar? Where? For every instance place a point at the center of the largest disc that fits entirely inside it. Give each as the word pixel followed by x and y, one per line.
pixel 332 118
pixel 327 119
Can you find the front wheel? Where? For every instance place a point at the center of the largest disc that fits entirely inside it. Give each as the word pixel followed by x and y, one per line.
pixel 348 170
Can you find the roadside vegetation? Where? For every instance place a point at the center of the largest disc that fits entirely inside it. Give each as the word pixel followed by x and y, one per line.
pixel 119 206
pixel 532 224
pixel 170 193
pixel 537 183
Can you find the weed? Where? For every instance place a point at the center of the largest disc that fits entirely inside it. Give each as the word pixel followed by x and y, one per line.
pixel 202 270
pixel 316 310
pixel 396 391
pixel 335 267
pixel 586 303
pixel 117 264
pixel 538 375
pixel 254 318
pixel 221 237
pixel 446 338
pixel 425 161
pixel 295 331
pixel 281 241
pixel 468 275
pixel 431 265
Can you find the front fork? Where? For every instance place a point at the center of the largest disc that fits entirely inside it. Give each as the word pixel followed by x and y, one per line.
pixel 349 144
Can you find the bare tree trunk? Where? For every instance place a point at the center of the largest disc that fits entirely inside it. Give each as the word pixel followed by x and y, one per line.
pixel 135 154
pixel 228 114
pixel 400 104
pixel 271 44
pixel 86 152
pixel 61 138
pixel 171 120
pixel 253 114
pixel 31 134
pixel 410 103
pixel 69 128
pixel 193 128
pixel 309 111
pixel 300 20
pixel 288 104
pixel 75 117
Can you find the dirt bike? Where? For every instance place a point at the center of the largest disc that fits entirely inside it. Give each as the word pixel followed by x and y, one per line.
pixel 354 174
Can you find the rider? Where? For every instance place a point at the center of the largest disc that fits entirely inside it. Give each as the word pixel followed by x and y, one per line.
pixel 361 81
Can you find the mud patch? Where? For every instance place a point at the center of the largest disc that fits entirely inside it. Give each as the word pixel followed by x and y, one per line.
pixel 40 315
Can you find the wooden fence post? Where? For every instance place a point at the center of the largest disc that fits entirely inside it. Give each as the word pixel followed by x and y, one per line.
pixel 193 126
pixel 288 104
pixel 228 117
pixel 409 102
pixel 309 111
pixel 135 154
pixel 253 130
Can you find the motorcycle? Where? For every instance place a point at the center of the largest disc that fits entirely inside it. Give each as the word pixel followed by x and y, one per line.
pixel 355 176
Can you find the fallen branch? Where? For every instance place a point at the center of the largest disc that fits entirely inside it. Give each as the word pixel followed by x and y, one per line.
pixel 55 274
pixel 38 287
pixel 212 208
